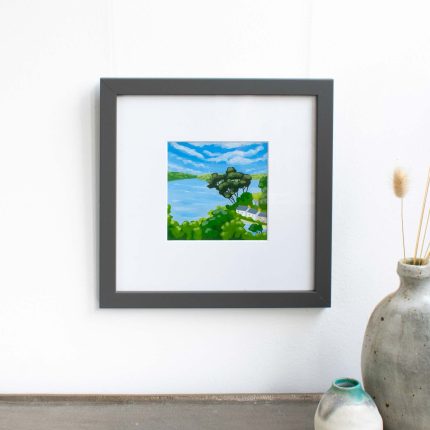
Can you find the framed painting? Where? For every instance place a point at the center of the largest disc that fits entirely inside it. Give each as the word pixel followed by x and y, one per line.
pixel 215 193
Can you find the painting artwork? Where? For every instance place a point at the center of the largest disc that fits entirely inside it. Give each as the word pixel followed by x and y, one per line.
pixel 217 190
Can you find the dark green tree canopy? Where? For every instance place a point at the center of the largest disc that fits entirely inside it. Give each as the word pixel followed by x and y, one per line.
pixel 256 228
pixel 231 184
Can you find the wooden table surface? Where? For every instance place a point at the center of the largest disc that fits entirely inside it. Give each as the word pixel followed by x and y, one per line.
pixel 214 412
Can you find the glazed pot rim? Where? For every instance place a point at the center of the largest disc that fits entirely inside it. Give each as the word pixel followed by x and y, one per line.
pixel 407 270
pixel 346 384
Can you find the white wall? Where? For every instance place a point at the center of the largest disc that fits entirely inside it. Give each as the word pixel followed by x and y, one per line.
pixel 53 337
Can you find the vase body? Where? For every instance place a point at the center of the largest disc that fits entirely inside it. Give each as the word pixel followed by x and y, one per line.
pixel 346 406
pixel 395 358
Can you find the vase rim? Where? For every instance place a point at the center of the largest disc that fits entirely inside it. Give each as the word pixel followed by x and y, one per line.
pixel 346 384
pixel 408 270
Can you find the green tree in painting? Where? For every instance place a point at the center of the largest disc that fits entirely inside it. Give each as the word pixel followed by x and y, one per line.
pixel 263 198
pixel 245 199
pixel 231 184
pixel 256 228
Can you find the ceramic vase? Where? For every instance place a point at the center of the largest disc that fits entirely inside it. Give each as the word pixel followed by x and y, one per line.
pixel 396 352
pixel 346 406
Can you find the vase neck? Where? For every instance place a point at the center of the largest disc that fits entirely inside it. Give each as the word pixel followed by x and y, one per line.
pixel 412 285
pixel 413 277
pixel 349 387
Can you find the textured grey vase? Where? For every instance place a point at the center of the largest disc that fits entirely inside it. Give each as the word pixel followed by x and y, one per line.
pixel 346 406
pixel 395 358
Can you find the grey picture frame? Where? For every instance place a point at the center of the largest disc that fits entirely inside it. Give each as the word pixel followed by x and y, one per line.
pixel 320 296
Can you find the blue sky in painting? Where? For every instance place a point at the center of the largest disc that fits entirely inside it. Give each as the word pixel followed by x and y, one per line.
pixel 208 157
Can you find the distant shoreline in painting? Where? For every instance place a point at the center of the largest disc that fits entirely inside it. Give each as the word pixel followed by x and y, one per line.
pixel 217 190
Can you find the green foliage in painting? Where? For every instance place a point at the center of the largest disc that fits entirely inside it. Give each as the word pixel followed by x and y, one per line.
pixel 245 199
pixel 231 184
pixel 234 230
pixel 256 228
pixel 262 201
pixel 258 175
pixel 206 177
pixel 222 223
pixel 174 176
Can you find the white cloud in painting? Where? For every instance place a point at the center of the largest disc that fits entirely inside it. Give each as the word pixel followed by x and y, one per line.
pixel 236 144
pixel 177 168
pixel 190 162
pixel 186 150
pixel 243 160
pixel 210 154
pixel 230 156
pixel 227 145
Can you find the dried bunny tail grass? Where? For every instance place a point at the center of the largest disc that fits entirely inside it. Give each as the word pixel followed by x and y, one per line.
pixel 400 183
pixel 400 187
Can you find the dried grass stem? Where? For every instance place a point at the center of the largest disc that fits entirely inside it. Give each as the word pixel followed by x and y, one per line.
pixel 421 217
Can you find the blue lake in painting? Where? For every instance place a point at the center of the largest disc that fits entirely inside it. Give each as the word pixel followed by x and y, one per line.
pixel 191 199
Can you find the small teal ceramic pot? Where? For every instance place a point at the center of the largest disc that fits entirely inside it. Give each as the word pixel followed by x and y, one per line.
pixel 347 406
